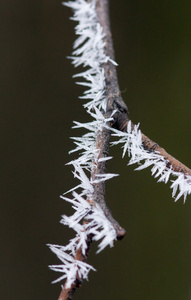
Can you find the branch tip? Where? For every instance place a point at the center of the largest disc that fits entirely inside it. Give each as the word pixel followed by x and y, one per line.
pixel 121 233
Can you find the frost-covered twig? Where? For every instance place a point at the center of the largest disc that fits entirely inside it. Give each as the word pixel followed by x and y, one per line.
pixel 146 153
pixel 92 219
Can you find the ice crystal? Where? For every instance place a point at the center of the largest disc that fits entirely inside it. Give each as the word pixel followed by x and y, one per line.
pixel 70 266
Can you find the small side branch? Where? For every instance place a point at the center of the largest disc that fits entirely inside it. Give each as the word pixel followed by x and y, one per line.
pixel 121 123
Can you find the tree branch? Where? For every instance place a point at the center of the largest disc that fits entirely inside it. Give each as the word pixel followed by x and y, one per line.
pixel 116 107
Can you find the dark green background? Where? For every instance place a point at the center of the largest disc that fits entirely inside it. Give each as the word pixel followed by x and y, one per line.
pixel 38 104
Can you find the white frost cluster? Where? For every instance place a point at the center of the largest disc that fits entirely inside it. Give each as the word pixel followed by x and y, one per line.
pixel 132 144
pixel 89 52
pixel 97 225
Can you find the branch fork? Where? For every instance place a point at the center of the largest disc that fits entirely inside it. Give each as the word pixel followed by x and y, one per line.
pixel 93 220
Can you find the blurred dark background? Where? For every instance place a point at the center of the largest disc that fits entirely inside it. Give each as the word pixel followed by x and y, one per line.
pixel 39 101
